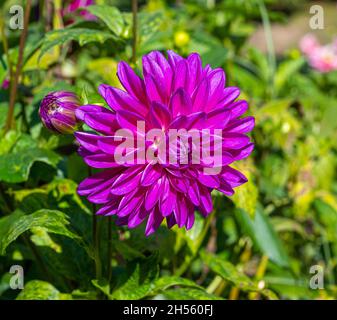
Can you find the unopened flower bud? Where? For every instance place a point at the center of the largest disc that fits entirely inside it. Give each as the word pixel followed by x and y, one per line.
pixel 57 112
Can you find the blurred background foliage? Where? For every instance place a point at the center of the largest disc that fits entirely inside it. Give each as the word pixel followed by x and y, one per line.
pixel 259 244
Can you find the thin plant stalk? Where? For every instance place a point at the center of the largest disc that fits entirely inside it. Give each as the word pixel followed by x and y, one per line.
pixel 6 49
pixel 269 43
pixel 95 239
pixel 14 82
pixel 109 247
pixel 188 259
pixel 134 30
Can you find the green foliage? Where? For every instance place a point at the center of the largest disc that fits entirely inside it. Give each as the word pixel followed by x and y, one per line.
pixel 264 236
pixel 111 16
pixel 257 244
pixel 81 35
pixel 41 290
pixel 12 226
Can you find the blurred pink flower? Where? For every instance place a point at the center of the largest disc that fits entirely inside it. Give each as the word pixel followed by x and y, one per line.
pixel 320 58
pixel 309 43
pixel 77 4
pixel 5 84
pixel 324 59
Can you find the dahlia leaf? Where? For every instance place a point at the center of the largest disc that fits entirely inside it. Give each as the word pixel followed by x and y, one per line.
pixel 14 225
pixel 41 290
pixel 264 236
pixel 189 294
pixel 81 35
pixel 228 272
pixel 166 282
pixel 140 282
pixel 111 16
pixel 15 167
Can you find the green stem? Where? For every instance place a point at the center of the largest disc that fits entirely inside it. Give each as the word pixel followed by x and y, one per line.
pixel 214 284
pixel 189 258
pixel 109 247
pixel 15 81
pixel 6 50
pixel 134 30
pixel 95 235
pixel 95 239
pixel 269 43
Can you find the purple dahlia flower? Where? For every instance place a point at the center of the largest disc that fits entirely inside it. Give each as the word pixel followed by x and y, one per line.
pixel 175 94
pixel 57 112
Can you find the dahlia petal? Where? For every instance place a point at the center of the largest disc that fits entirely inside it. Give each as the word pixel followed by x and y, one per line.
pixel 136 218
pixel 160 116
pixel 234 140
pixel 157 66
pixel 102 122
pixel 194 194
pixel 217 80
pixel 238 108
pixel 200 96
pixel 171 221
pixel 178 122
pixel 173 58
pixel 180 211
pixel 151 174
pixel 180 77
pixel 233 177
pixel 241 126
pixel 218 118
pixel 190 219
pixel 128 180
pixel 152 195
pixel 83 110
pixel 100 161
pixel 101 196
pixel 130 203
pixel 211 181
pixel 180 185
pixel 102 90
pixel 91 183
pixel 131 82
pixel 195 70
pixel 154 89
pixel 118 99
pixel 128 120
pixel 207 70
pixel 180 103
pixel 107 144
pixel 109 209
pixel 225 188
pixel 168 199
pixel 153 222
pixel 216 86
pixel 196 120
pixel 244 152
pixel 87 140
pixel 206 204
pixel 230 94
